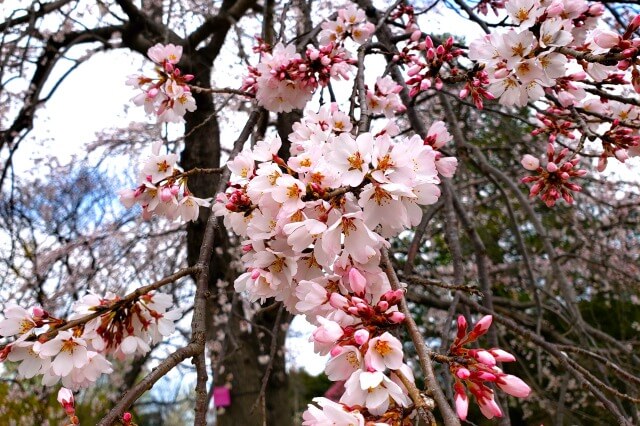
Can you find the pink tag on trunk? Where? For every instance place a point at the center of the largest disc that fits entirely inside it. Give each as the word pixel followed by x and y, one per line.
pixel 221 396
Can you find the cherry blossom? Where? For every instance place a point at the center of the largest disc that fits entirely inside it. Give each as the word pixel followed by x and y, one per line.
pixel 331 413
pixel 162 189
pixel 76 356
pixel 168 95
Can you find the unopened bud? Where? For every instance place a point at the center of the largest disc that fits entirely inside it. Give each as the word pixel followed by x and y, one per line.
pixel 396 317
pixel 361 336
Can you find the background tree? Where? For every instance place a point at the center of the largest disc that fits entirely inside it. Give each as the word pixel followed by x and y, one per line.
pixel 553 279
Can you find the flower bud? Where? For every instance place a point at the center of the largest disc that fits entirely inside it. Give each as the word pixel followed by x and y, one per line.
pixel 482 326
pixel 462 326
pixel 606 39
pixel 463 373
pixel 513 386
pixel 357 281
pixel 382 306
pixel 338 301
pixel 361 336
pixel 485 358
pixel 530 162
pixel 396 317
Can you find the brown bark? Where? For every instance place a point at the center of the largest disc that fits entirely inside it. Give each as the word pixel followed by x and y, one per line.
pixel 240 364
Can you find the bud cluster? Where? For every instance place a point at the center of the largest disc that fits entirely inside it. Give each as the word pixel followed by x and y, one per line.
pixel 474 368
pixel 553 180
pixel 167 95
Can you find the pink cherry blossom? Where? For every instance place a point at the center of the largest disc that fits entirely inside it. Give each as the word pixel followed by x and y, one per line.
pixel 385 351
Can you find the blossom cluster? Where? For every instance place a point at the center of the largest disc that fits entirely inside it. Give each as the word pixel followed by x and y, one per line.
pixel 351 22
pixel 426 61
pixel 73 352
pixel 557 50
pixel 525 60
pixel 314 227
pixel 475 367
pixel 285 80
pixel 167 95
pixel 553 181
pixel 384 99
pixel 162 189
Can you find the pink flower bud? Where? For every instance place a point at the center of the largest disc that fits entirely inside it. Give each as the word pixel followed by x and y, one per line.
pixel 462 326
pixel 634 25
pixel 328 332
pixel 383 306
pixel 463 373
pixel 624 65
pixel 513 386
pixel 485 358
pixel 555 9
pixel 428 42
pixel 530 162
pixel 489 408
pixel 535 189
pixel 396 317
pixel 482 326
pixel 362 306
pixel 338 301
pixel 127 417
pixel 65 398
pixel 392 296
pixel 357 281
pixel 361 336
pixel 621 155
pixel 552 167
pixel 596 9
pixel 461 400
pixel 166 195
pixel 355 300
pixel 486 376
pixel 502 356
pixel 39 313
pixel 606 39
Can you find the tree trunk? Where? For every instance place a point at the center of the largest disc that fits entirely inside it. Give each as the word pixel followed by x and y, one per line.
pixel 243 345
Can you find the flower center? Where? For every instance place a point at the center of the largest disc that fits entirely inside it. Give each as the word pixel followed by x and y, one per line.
pixel 355 161
pixel 382 347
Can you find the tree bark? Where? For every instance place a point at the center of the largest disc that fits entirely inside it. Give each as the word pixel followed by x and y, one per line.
pixel 240 366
